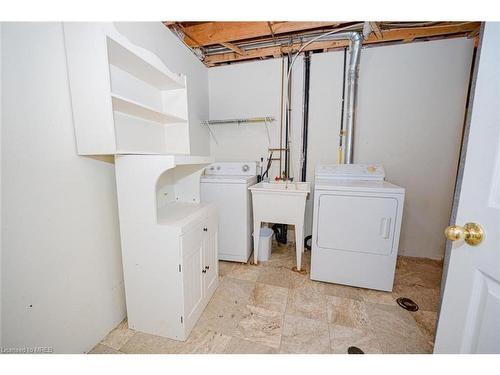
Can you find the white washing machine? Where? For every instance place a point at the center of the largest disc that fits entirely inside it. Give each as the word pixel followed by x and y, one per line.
pixel 356 226
pixel 226 185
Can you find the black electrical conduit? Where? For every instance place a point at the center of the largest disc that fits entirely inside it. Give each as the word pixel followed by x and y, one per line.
pixel 305 125
pixel 305 113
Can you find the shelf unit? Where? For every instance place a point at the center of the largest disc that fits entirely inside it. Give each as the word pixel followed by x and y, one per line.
pixel 124 99
pixel 169 242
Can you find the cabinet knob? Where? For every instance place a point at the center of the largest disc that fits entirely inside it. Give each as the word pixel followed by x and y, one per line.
pixel 207 267
pixel 204 271
pixel 205 229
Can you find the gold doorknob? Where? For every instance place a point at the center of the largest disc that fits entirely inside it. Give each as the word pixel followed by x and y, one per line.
pixel 471 233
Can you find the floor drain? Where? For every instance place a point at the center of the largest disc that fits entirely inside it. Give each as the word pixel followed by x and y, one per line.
pixel 354 350
pixel 407 304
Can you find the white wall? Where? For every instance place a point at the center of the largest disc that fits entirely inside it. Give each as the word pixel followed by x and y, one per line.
pixel 62 279
pixel 155 37
pixel 62 274
pixel 245 90
pixel 1 242
pixel 410 115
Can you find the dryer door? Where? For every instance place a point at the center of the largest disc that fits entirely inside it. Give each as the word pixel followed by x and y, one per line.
pixel 357 223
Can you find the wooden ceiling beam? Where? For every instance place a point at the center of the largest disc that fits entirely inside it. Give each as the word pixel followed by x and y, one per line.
pixel 388 36
pixel 376 29
pixel 209 33
pixel 233 48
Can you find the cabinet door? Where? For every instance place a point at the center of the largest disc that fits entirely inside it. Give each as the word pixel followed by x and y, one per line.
pixel 210 260
pixel 193 275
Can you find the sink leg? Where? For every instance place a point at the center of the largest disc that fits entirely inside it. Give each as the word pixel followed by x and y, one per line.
pixel 299 244
pixel 256 238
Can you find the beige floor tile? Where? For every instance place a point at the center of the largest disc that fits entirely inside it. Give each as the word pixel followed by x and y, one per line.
pixel 221 316
pixel 426 298
pixel 143 343
pixel 248 272
pixel 234 291
pixel 281 261
pixel 203 341
pixel 304 336
pixel 341 338
pixel 119 336
pixel 378 296
pixel 418 271
pixel 270 309
pixel 241 346
pixel 103 349
pixel 347 312
pixel 307 304
pixel 301 281
pixel 225 267
pixel 396 330
pixel 341 291
pixel 269 297
pixel 426 321
pixel 278 276
pixel 261 326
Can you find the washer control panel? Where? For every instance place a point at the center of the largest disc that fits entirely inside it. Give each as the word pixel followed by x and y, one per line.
pixel 351 171
pixel 232 168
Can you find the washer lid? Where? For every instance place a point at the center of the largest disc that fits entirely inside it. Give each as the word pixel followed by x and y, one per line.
pixel 357 185
pixel 228 179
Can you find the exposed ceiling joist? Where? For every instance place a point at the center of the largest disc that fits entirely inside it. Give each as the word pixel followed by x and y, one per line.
pixel 376 29
pixel 209 33
pixel 390 35
pixel 233 48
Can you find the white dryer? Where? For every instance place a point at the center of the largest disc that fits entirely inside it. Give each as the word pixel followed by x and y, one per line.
pixel 356 226
pixel 226 185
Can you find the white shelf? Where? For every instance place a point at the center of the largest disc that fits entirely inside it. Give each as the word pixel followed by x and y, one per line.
pixel 124 98
pixel 126 59
pixel 133 108
pixel 179 213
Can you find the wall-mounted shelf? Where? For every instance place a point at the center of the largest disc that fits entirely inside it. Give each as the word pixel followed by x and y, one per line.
pixel 240 121
pixel 157 76
pixel 123 95
pixel 249 120
pixel 133 108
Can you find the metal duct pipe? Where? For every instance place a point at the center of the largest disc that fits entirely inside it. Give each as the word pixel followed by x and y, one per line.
pixel 352 88
pixel 356 40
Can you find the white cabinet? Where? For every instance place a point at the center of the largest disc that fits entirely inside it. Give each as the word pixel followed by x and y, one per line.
pixel 199 269
pixel 124 99
pixel 169 242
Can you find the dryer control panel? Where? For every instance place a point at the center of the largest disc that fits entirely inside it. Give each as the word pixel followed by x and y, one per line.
pixel 232 168
pixel 372 172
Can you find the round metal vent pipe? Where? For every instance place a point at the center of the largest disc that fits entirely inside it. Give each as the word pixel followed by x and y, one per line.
pixel 356 40
pixel 352 89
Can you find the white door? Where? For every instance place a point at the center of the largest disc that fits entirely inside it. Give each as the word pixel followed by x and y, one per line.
pixel 469 320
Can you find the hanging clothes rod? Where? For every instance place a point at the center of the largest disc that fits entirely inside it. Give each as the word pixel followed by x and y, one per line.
pixel 239 121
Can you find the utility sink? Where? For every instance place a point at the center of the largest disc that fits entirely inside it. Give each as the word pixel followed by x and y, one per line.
pixel 281 202
pixel 285 187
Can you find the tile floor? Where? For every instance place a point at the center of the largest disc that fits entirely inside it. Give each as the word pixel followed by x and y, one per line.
pixel 270 309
